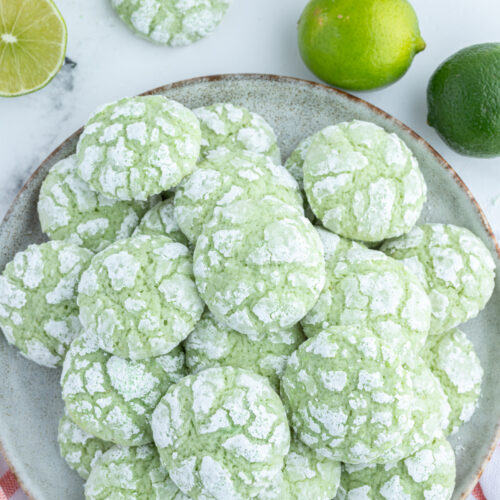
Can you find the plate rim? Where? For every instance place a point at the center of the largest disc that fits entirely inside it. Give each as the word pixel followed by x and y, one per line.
pixel 308 83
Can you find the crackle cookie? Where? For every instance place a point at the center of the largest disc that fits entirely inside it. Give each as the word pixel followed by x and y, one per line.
pixel 362 182
pixel 259 266
pixel 69 210
pixel 454 266
pixel 305 476
pixel 428 474
pixel 138 296
pixel 236 128
pixel 172 22
pixel 38 310
pixel 113 398
pixel 368 288
pixel 137 147
pixel 227 177
pixel 212 344
pixel 79 448
pixel 454 362
pixel 160 221
pixel 131 473
pixel 348 395
pixel 222 433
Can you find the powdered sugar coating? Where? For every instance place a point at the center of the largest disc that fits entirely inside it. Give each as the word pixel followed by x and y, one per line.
pixel 366 287
pixel 428 474
pixel 226 177
pixel 160 221
pixel 172 22
pixel 305 476
pixel 137 147
pixel 113 398
pixel 129 473
pixel 236 128
pixel 454 266
pixel 454 362
pixel 347 402
pixel 79 448
pixel 70 210
pixel 259 266
pixel 221 433
pixel 38 311
pixel 138 296
pixel 362 182
pixel 213 344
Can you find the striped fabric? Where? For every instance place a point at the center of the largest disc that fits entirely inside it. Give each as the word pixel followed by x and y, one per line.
pixel 487 489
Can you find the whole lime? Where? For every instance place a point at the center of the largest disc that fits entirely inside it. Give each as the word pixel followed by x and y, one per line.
pixel 359 44
pixel 464 100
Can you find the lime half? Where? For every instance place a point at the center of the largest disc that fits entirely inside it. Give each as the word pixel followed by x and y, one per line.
pixel 32 45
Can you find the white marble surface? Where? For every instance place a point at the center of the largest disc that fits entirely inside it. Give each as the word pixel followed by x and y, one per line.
pixel 256 36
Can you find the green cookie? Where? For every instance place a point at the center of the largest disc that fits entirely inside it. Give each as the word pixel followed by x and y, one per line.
pixel 454 266
pixel 454 362
pixel 125 473
pixel 348 395
pixel 79 448
pixel 362 182
pixel 212 344
pixel 235 128
pixel 138 296
pixel 365 287
pixel 172 22
pixel 429 474
pixel 259 266
pixel 113 398
pixel 137 147
pixel 222 433
pixel 227 177
pixel 38 311
pixel 69 210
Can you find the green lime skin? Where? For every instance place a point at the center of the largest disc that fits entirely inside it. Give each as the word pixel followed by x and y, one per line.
pixel 359 44
pixel 464 100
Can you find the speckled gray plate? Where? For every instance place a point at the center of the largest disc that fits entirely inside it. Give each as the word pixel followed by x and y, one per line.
pixel 30 403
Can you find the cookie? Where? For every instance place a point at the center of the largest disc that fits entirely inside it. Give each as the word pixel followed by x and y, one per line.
pixel 454 362
pixel 259 266
pixel 69 210
pixel 227 177
pixel 348 395
pixel 454 266
pixel 222 433
pixel 113 398
pixel 368 288
pixel 236 128
pixel 138 296
pixel 362 182
pixel 212 344
pixel 131 473
pixel 79 448
pixel 429 474
pixel 38 310
pixel 171 22
pixel 137 147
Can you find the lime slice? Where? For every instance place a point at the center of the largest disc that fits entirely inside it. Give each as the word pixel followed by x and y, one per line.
pixel 32 45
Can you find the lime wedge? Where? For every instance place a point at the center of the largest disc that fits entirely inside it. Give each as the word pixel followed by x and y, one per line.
pixel 32 45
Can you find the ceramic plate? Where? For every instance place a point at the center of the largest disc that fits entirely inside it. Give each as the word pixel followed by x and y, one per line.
pixel 30 401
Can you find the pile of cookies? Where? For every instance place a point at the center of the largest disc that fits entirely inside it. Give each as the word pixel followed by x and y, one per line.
pixel 225 326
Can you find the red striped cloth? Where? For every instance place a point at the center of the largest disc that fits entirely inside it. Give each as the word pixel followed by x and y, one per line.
pixel 487 489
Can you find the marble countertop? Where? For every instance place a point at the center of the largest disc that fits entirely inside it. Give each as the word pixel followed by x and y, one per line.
pixel 107 62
